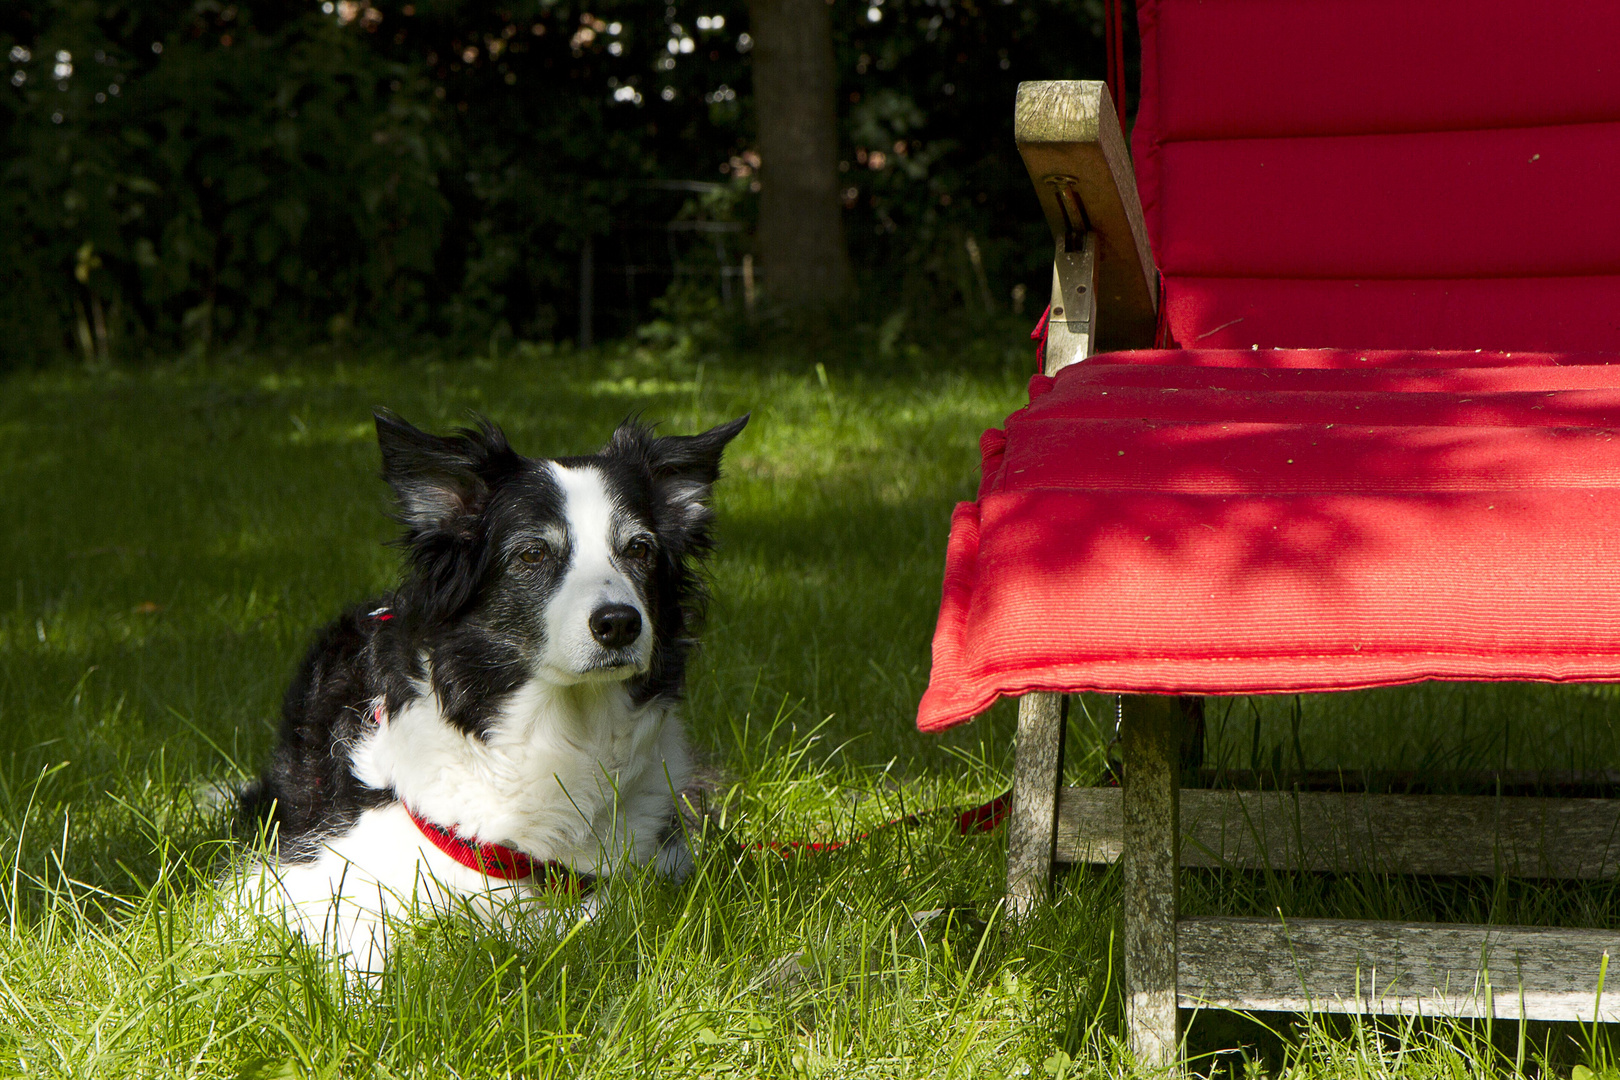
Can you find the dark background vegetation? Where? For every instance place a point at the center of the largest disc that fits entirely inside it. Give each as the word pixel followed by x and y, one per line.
pixel 204 174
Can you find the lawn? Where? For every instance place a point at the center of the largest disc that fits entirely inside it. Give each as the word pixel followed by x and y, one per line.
pixel 178 533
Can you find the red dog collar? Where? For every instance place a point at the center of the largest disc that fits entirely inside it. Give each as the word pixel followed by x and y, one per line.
pixel 497 860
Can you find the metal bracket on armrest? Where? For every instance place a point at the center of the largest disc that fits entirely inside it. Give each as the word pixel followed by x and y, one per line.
pixel 1070 328
pixel 1069 136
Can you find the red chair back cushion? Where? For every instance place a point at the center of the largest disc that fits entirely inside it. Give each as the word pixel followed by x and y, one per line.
pixel 1421 174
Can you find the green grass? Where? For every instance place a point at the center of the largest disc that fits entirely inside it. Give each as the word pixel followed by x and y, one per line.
pixel 178 534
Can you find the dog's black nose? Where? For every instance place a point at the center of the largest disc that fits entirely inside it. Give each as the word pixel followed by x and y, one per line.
pixel 615 625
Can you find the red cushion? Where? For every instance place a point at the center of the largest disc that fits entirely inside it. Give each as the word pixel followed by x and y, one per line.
pixel 1175 523
pixel 1378 173
pixel 1519 313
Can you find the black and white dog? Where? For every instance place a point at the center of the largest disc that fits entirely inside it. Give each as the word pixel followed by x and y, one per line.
pixel 506 723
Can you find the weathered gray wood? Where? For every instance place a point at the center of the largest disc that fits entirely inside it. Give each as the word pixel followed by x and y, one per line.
pixel 1072 318
pixel 1563 783
pixel 1150 741
pixel 1068 134
pixel 1316 830
pixel 1428 969
pixel 1090 825
pixel 1032 821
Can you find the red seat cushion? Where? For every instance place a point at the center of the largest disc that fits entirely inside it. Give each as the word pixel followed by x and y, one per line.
pixel 1382 173
pixel 1243 522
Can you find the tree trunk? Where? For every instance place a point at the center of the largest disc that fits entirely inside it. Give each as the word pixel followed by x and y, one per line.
pixel 801 225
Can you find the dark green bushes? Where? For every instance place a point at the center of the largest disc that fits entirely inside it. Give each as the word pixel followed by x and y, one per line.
pixel 202 172
pixel 194 173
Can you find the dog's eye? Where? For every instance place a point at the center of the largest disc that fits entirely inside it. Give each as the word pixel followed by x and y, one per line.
pixel 534 554
pixel 638 550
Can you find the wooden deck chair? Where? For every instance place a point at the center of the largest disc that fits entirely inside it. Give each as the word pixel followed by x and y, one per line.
pixel 1379 443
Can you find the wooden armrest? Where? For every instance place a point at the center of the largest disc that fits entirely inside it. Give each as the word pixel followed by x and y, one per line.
pixel 1069 136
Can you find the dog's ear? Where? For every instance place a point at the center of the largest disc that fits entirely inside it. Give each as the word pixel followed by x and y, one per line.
pixel 684 467
pixel 437 480
pixel 443 484
pixel 694 458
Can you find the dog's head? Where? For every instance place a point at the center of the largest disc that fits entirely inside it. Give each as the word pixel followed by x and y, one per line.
pixel 570 570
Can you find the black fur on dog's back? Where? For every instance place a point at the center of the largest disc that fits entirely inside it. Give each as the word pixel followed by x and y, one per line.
pixel 326 704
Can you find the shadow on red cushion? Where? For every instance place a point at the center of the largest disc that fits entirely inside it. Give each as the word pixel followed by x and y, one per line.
pixel 1148 525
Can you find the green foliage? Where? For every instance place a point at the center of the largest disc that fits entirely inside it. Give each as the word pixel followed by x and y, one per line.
pixel 198 173
pixel 938 200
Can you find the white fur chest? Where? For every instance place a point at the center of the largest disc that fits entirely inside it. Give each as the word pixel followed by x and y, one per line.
pixel 575 773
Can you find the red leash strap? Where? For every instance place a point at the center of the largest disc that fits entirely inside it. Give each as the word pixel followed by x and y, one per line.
pixel 1162 337
pixel 509 864
pixel 1038 336
pixel 1114 39
pixel 986 817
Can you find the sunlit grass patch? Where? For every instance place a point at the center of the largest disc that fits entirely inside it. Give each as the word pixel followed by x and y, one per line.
pixel 178 535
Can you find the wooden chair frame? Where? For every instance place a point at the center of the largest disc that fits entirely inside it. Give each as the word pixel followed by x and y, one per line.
pixel 1069 137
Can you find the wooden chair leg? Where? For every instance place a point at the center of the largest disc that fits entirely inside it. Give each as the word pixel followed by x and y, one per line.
pixel 1032 825
pixel 1150 739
